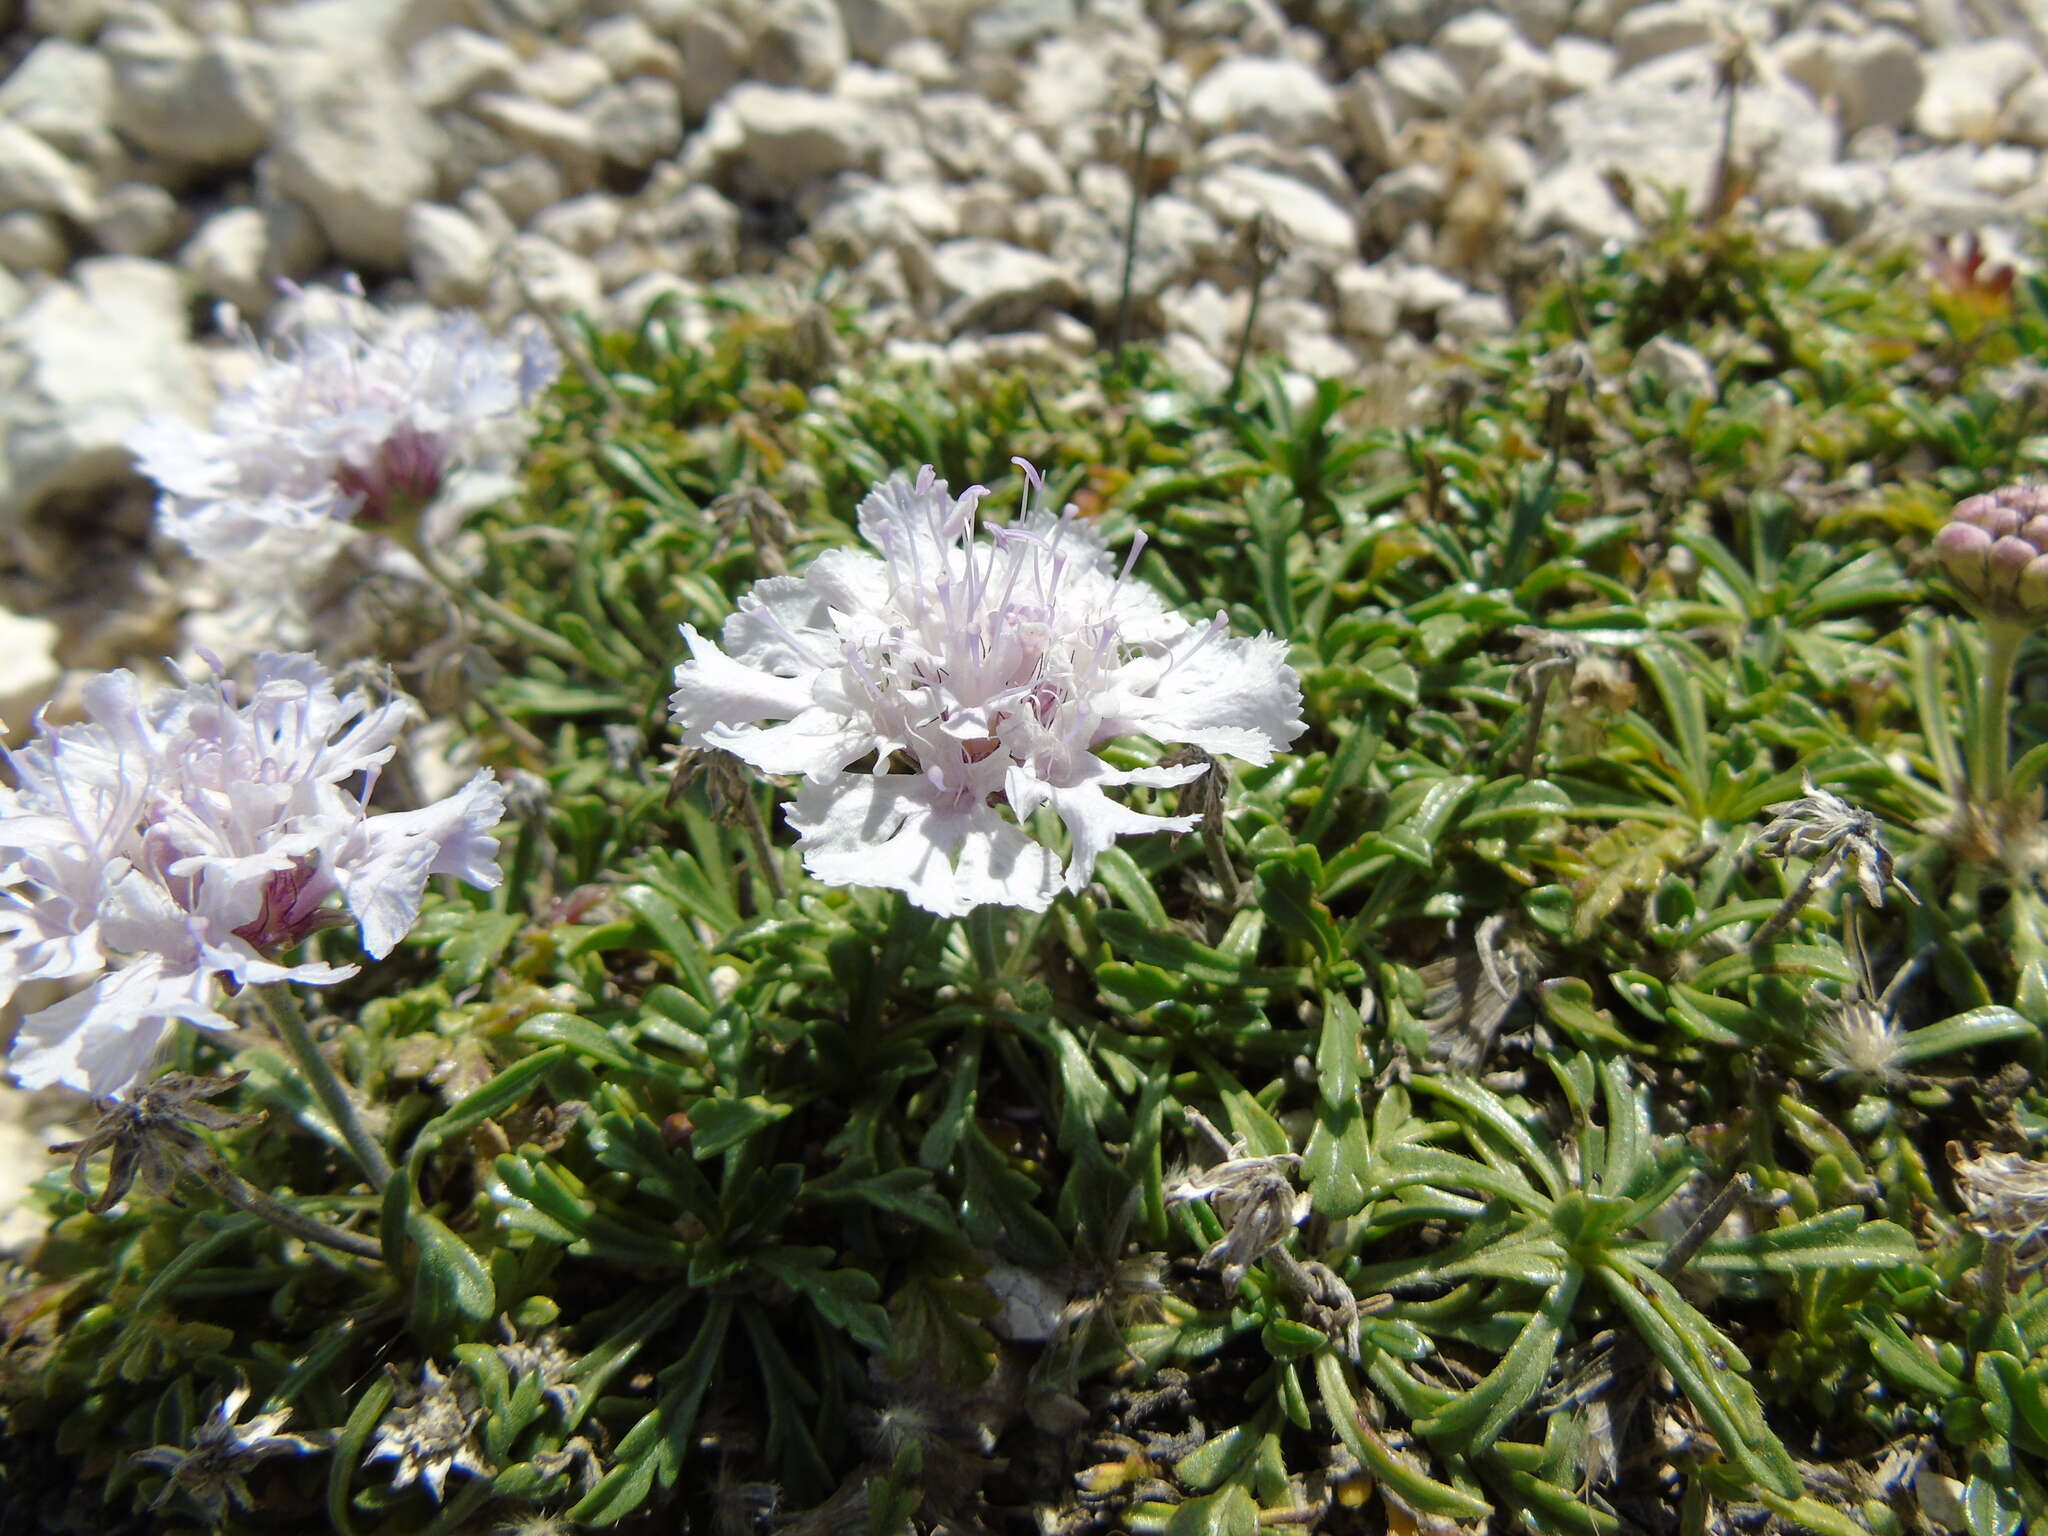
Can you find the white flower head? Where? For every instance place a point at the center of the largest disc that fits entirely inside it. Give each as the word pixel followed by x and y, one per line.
pixel 165 845
pixel 350 416
pixel 978 670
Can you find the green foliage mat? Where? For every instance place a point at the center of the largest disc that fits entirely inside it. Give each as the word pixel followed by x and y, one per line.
pixel 820 1213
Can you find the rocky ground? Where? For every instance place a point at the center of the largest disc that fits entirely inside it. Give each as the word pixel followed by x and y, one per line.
pixel 1400 170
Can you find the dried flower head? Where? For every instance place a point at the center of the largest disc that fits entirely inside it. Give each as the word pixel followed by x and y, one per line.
pixel 979 671
pixel 350 416
pixel 545 1359
pixel 170 843
pixel 1860 1039
pixel 151 1135
pixel 2007 1197
pixel 1255 1199
pixel 1820 825
pixel 1994 548
pixel 213 1469
pixel 431 1432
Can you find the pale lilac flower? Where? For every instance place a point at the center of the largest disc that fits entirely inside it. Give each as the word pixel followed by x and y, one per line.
pixel 352 416
pixel 168 845
pixel 974 676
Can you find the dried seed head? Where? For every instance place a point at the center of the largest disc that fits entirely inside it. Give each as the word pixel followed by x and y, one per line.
pixel 1860 1039
pixel 211 1470
pixel 432 1433
pixel 544 1358
pixel 1254 1197
pixel 1820 825
pixel 2007 1197
pixel 151 1135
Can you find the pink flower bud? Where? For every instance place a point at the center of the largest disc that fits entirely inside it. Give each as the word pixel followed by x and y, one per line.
pixel 1990 549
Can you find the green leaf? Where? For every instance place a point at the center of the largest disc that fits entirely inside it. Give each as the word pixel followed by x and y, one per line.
pixel 722 1124
pixel 652 1451
pixel 1228 1513
pixel 1376 1456
pixel 450 1273
pixel 1482 1412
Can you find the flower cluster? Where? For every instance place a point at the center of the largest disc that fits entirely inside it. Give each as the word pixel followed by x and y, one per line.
pixel 1995 549
pixel 2006 1196
pixel 170 843
pixel 355 416
pixel 975 672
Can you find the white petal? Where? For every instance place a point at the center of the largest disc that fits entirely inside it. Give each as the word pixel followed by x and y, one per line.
pixel 782 625
pixel 712 689
pixel 816 743
pixel 1234 697
pixel 99 1040
pixel 383 873
pixel 890 830
pixel 1094 821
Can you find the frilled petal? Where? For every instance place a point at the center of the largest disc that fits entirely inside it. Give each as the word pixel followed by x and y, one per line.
pixel 100 1039
pixel 816 743
pixel 782 624
pixel 1234 697
pixel 383 872
pixel 1094 821
pixel 712 690
pixel 891 830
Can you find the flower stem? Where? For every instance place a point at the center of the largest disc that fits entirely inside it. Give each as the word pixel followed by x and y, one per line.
pixel 1993 745
pixel 239 1193
pixel 333 1094
pixel 983 941
pixel 481 605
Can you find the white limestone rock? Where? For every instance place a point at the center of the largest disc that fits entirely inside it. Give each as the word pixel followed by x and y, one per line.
pixel 242 255
pixel 80 364
pixel 36 178
pixel 1419 84
pixel 560 76
pixel 449 253
pixel 877 28
pixel 990 285
pixel 1280 98
pixel 29 671
pixel 64 94
pixel 138 218
pixel 567 138
pixel 801 43
pixel 357 154
pixel 538 274
pixel 1368 301
pixel 630 48
pixel 1574 199
pixel 1670 26
pixel 783 138
pixel 1967 86
pixel 32 242
pixel 1878 78
pixel 638 122
pixel 1240 194
pixel 713 47
pixel 201 100
pixel 453 64
pixel 1473 43
pixel 1674 369
pixel 1659 124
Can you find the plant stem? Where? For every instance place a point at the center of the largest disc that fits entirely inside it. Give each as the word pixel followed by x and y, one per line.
pixel 1149 110
pixel 764 851
pixel 982 941
pixel 1704 1226
pixel 1994 1275
pixel 481 605
pixel 1993 744
pixel 290 1022
pixel 239 1193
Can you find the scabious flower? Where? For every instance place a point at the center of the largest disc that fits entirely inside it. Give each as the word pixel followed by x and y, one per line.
pixel 171 844
pixel 975 672
pixel 352 416
pixel 1995 549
